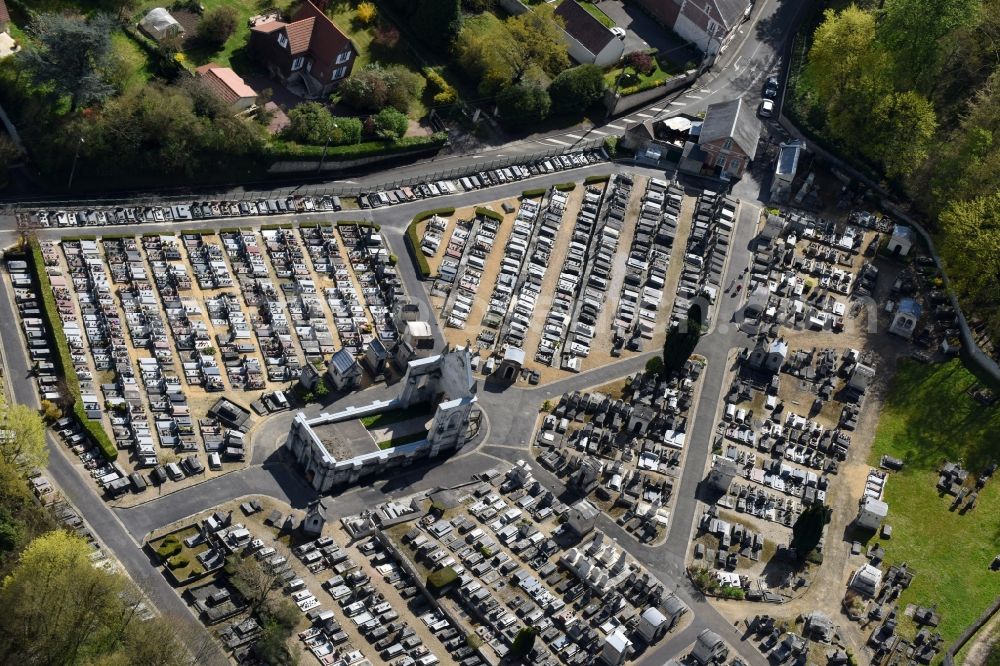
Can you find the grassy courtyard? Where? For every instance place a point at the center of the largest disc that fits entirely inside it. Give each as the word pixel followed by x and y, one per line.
pixel 928 418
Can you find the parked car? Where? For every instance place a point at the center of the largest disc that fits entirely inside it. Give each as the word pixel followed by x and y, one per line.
pixel 766 108
pixel 618 32
pixel 771 87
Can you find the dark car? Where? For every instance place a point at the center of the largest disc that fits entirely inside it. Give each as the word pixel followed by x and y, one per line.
pixel 771 87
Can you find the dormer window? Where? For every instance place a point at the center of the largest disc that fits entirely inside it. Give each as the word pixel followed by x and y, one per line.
pixel 344 56
pixel 728 144
pixel 282 40
pixel 297 63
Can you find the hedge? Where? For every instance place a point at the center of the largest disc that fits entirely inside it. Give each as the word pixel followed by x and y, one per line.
pixel 308 225
pixel 565 187
pixel 487 212
pixel 438 580
pixel 274 227
pixel 157 234
pixel 414 241
pixel 531 194
pixel 590 180
pixel 290 150
pixel 95 429
pixel 642 87
pixel 107 237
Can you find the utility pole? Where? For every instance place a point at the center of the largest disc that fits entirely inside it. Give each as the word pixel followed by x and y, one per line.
pixel 326 145
pixel 72 171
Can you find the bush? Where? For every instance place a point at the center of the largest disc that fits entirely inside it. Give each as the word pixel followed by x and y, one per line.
pixel 438 580
pixel 730 592
pixel 386 36
pixel 375 87
pixel 169 547
pixel 576 88
pixel 281 150
pixel 366 12
pixel 533 193
pixel 523 104
pixel 641 87
pixel 654 366
pixel 413 239
pixel 641 62
pixel 51 411
pixel 443 92
pixel 487 212
pixel 591 180
pixel 391 124
pixel 565 187
pixel 178 562
pixel 310 123
pixel 218 25
pixel 346 131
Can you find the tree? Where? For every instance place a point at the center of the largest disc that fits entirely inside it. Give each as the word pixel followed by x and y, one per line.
pixel 901 128
pixel 575 89
pixel 915 32
pixel 386 36
pixel 524 641
pixel 70 53
pixel 654 366
pixel 375 87
pixel 436 22
pixel 523 104
pixel 540 33
pixel 808 529
pixel 8 154
pixel 22 436
pixel 641 62
pixel 253 580
pixel 366 12
pixel 51 411
pixel 218 25
pixel 310 123
pixel 391 124
pixel 347 130
pixel 971 248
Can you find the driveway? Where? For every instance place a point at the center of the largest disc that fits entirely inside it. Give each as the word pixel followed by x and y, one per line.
pixel 645 33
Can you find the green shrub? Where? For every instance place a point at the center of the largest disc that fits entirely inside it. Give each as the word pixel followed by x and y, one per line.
pixel 730 592
pixel 492 214
pixel 590 180
pixel 168 548
pixel 178 562
pixel 444 93
pixel 391 124
pixel 438 580
pixel 566 187
pixel 533 194
pixel 285 150
pixel 576 88
pixel 63 360
pixel 523 104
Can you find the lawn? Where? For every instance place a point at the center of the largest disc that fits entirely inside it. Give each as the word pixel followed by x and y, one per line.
pixel 663 69
pixel 135 64
pixel 929 418
pixel 403 439
pixel 397 416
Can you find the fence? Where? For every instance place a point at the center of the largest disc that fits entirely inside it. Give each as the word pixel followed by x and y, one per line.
pixel 319 190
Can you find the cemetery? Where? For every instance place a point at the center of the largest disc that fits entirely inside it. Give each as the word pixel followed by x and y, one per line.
pixel 623 452
pixel 573 277
pixel 503 553
pixel 151 331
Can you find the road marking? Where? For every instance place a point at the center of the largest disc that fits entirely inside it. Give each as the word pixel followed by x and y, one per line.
pixel 693 96
pixel 574 136
pixel 644 115
pixel 615 127
pixel 705 90
pixel 657 110
pixel 678 104
pixel 597 131
pixel 561 143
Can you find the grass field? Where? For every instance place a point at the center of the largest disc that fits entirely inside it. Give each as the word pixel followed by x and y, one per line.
pixel 929 418
pixel 404 439
pixel 398 415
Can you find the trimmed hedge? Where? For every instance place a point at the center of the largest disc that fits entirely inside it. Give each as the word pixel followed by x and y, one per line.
pixel 438 580
pixel 294 151
pixel 413 241
pixel 487 212
pixel 308 225
pixel 531 194
pixel 95 429
pixel 590 180
pixel 565 187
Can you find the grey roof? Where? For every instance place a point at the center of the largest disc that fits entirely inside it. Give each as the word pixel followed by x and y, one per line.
pixel 343 362
pixel 585 28
pixel 902 231
pixel 731 120
pixel 378 348
pixel 911 307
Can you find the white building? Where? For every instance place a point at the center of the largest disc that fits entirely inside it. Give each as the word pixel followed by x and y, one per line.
pixel 588 40
pixel 159 24
pixel 872 513
pixel 867 580
pixel 904 323
pixel 617 648
pixel 901 240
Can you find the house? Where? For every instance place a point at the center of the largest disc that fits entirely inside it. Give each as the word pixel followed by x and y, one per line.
pixel 904 323
pixel 871 513
pixel 728 139
pixel 228 86
pixel 588 40
pixel 709 647
pixel 617 647
pixel 581 517
pixel 159 24
pixel 316 516
pixel 308 53
pixel 789 154
pixel 4 17
pixel 343 370
pixel 901 240
pixel 710 25
pixel 510 367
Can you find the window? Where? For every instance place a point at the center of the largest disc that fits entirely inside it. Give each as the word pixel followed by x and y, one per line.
pixel 283 40
pixel 728 144
pixel 297 63
pixel 720 161
pixel 344 56
pixel 309 66
pixel 338 73
pixel 734 165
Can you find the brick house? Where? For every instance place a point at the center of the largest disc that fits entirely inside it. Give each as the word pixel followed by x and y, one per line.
pixel 308 52
pixel 727 140
pixel 708 24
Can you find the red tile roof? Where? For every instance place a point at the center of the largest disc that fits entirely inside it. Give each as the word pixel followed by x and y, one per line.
pixel 326 40
pixel 226 84
pixel 4 14
pixel 300 34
